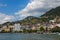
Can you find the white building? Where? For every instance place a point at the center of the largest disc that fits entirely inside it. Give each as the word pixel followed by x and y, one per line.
pixel 58 25
pixel 52 21
pixel 17 27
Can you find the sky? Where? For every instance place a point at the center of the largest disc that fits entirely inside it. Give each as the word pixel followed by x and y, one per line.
pixel 13 10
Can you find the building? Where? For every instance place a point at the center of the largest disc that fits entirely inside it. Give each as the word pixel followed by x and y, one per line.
pixel 57 19
pixel 58 25
pixel 33 27
pixel 5 28
pixel 17 27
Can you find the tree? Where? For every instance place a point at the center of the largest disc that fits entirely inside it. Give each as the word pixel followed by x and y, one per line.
pixel 24 30
pixel 41 28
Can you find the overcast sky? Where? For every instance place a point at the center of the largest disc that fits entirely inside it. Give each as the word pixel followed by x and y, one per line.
pixel 12 10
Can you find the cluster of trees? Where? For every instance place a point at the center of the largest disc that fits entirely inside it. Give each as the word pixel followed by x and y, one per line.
pixel 56 29
pixel 29 31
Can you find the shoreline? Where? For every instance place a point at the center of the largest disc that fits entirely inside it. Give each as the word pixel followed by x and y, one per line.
pixel 33 33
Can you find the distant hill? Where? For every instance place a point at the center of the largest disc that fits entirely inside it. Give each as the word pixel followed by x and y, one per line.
pixel 52 13
pixel 30 20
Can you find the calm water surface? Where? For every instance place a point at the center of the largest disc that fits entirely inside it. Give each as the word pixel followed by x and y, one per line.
pixel 21 36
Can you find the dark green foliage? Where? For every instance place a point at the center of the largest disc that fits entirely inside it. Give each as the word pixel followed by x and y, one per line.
pixel 57 29
pixel 29 31
pixel 41 29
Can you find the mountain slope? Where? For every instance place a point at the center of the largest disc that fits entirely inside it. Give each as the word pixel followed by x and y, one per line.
pixel 30 20
pixel 53 12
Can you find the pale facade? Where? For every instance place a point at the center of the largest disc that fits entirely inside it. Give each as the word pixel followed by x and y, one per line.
pixel 17 27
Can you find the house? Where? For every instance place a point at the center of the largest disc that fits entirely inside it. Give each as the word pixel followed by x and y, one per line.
pixel 5 28
pixel 0 29
pixel 58 25
pixel 11 26
pixel 57 19
pixel 52 21
pixel 33 27
pixel 28 27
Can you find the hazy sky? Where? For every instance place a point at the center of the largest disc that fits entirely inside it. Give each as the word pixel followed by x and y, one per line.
pixel 12 10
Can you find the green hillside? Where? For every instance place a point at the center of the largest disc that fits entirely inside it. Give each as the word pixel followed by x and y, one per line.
pixel 53 13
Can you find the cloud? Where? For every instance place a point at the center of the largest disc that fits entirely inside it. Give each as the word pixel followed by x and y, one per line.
pixel 37 8
pixel 3 5
pixel 5 18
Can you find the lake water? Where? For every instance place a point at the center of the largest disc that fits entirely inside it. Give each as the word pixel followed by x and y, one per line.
pixel 21 36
